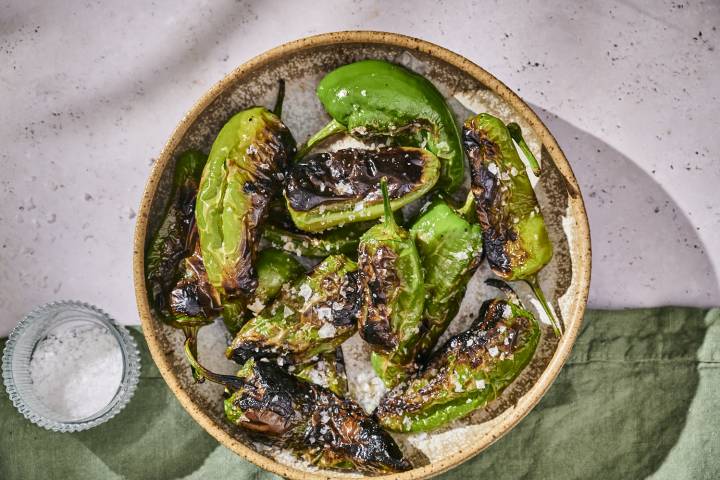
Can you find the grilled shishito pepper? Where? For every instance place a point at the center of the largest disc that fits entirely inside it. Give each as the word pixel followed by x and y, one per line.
pixel 338 240
pixel 329 372
pixel 516 239
pixel 450 248
pixel 314 315
pixel 243 172
pixel 466 373
pixel 393 292
pixel 175 238
pixel 318 426
pixel 330 189
pixel 374 98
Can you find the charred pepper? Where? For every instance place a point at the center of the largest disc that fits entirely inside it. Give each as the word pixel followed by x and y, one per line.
pixel 469 371
pixel 393 292
pixel 315 424
pixel 450 248
pixel 329 372
pixel 374 98
pixel 312 316
pixel 330 189
pixel 338 240
pixel 516 239
pixel 244 171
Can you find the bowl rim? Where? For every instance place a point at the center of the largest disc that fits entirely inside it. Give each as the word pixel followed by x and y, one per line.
pixel 576 309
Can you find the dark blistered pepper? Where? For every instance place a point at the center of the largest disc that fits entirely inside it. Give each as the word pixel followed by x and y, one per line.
pixel 338 240
pixel 315 424
pixel 244 171
pixel 175 239
pixel 450 248
pixel 274 269
pixel 328 371
pixel 466 373
pixel 374 98
pixel 393 292
pixel 517 245
pixel 330 189
pixel 312 316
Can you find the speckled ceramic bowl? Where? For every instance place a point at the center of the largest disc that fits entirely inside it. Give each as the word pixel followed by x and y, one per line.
pixel 468 89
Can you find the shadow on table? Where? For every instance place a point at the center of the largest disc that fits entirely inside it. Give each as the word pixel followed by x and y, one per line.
pixel 153 437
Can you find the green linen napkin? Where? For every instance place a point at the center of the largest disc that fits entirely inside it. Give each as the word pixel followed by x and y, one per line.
pixel 639 398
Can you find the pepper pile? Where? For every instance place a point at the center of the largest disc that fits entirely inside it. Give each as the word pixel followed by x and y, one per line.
pixel 239 220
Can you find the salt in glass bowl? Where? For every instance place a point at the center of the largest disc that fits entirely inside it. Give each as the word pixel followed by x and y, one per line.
pixel 33 329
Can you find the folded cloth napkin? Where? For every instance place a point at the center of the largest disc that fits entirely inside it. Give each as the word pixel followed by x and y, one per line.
pixel 638 398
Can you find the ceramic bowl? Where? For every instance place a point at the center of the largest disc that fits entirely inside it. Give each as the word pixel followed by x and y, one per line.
pixel 468 89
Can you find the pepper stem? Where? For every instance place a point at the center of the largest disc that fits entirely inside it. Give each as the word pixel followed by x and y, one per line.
pixel 535 285
pixel 505 288
pixel 516 134
pixel 332 128
pixel 229 381
pixel 277 109
pixel 468 208
pixel 191 341
pixel 389 219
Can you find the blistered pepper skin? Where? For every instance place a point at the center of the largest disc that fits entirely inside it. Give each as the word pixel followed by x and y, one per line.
pixel 330 189
pixel 451 249
pixel 175 238
pixel 315 424
pixel 517 244
pixel 312 316
pixel 243 172
pixel 375 98
pixel 393 291
pixel 341 240
pixel 466 373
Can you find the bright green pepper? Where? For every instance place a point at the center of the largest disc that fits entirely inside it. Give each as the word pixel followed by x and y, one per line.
pixel 315 424
pixel 450 248
pixel 466 373
pixel 313 316
pixel 243 172
pixel 516 239
pixel 391 278
pixel 274 269
pixel 338 240
pixel 374 98
pixel 326 190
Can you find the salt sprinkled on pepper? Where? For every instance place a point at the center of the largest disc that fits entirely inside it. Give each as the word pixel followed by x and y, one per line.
pixel 77 372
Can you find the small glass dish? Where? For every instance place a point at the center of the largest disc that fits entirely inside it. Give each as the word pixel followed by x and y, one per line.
pixel 37 326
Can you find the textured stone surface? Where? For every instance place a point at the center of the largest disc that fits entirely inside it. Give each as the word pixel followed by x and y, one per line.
pixel 90 92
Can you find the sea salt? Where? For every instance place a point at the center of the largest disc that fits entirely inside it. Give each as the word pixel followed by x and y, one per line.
pixel 77 372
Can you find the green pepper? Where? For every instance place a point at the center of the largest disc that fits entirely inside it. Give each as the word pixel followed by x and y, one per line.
pixel 329 372
pixel 450 248
pixel 516 239
pixel 330 189
pixel 393 293
pixel 274 269
pixel 312 316
pixel 243 172
pixel 338 240
pixel 315 424
pixel 175 239
pixel 466 373
pixel 374 98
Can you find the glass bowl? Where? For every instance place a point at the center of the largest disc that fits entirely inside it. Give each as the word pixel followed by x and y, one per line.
pixel 38 325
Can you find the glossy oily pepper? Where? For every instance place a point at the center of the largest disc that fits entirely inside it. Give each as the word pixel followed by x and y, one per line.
pixel 374 98
pixel 274 269
pixel 312 316
pixel 466 373
pixel 328 371
pixel 450 248
pixel 332 242
pixel 175 239
pixel 516 239
pixel 315 424
pixel 326 190
pixel 243 172
pixel 393 293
